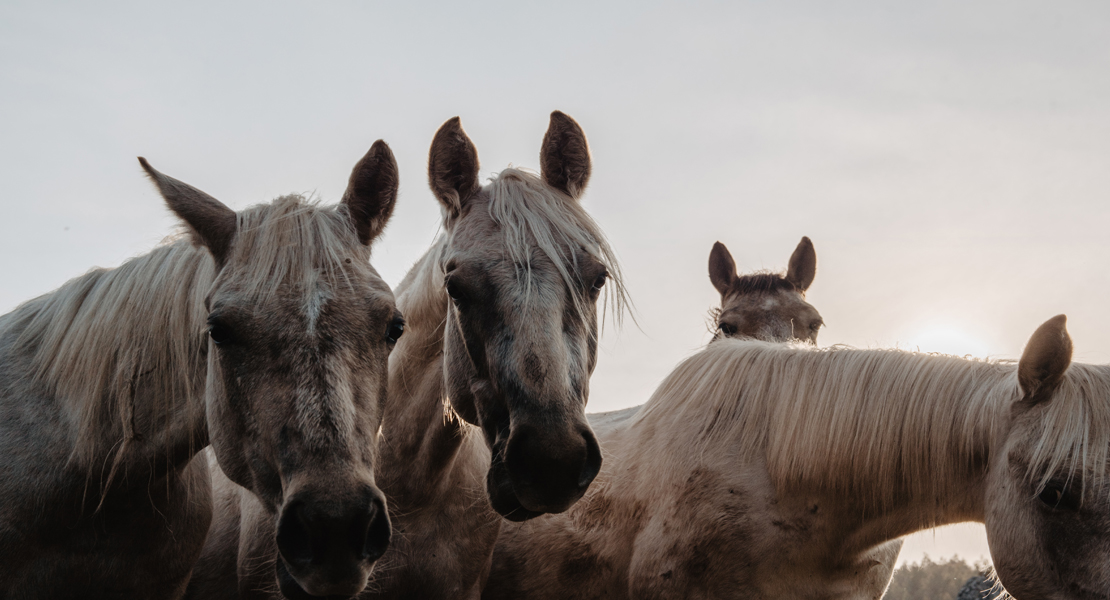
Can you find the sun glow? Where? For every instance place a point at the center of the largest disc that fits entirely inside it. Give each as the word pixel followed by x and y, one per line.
pixel 948 339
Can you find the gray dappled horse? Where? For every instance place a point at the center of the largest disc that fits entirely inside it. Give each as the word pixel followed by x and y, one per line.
pixel 265 332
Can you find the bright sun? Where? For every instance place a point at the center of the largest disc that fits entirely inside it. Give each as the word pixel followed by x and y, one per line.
pixel 948 340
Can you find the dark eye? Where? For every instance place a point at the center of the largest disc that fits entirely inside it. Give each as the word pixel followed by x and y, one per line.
pixel 816 325
pixel 454 291
pixel 1059 497
pixel 396 328
pixel 220 333
pixel 599 282
pixel 727 329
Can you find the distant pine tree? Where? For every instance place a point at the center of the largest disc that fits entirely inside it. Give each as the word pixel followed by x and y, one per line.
pixel 930 580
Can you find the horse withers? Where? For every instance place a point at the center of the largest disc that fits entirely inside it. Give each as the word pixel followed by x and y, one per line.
pixel 250 333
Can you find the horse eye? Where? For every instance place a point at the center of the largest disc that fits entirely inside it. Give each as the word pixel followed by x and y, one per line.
pixel 727 329
pixel 816 325
pixel 453 291
pixel 220 334
pixel 396 329
pixel 1059 497
pixel 600 282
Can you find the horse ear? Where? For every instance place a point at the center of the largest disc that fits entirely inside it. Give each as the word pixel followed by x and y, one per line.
pixel 1045 360
pixel 565 156
pixel 372 192
pixel 803 265
pixel 722 269
pixel 453 166
pixel 211 223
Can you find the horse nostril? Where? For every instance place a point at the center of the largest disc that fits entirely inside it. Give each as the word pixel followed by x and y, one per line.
pixel 592 465
pixel 378 532
pixel 294 538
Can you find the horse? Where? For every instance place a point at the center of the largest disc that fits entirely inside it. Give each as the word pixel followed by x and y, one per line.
pixel 762 470
pixel 485 418
pixel 265 333
pixel 765 306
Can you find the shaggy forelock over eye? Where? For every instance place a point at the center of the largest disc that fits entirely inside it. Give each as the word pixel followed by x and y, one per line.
pixel 530 211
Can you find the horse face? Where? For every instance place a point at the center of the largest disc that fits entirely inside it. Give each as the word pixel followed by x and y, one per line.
pixel 521 336
pixel 1050 541
pixel 301 328
pixel 766 306
pixel 519 359
pixel 1048 519
pixel 772 316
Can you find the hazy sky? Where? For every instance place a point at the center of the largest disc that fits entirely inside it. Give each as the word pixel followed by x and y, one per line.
pixel 950 160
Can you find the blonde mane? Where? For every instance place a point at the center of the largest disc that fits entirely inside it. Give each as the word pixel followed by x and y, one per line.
pixel 529 211
pixel 115 345
pixel 842 419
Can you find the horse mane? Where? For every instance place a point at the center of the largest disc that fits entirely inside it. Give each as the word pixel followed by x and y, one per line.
pixel 842 418
pixel 529 211
pixel 106 337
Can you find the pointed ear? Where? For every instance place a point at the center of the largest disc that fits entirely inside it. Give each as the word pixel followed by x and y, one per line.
pixel 565 156
pixel 1045 360
pixel 803 265
pixel 453 166
pixel 372 192
pixel 722 269
pixel 212 224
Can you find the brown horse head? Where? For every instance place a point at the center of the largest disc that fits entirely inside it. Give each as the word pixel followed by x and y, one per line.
pixel 766 306
pixel 524 266
pixel 301 327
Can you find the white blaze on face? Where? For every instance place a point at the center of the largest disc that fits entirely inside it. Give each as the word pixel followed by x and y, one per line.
pixel 314 304
pixel 771 302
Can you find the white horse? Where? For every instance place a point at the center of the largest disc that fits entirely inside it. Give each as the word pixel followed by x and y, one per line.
pixel 763 471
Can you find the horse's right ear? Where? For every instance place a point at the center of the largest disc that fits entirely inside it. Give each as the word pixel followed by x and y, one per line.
pixel 1045 360
pixel 211 223
pixel 453 166
pixel 803 265
pixel 372 192
pixel 722 269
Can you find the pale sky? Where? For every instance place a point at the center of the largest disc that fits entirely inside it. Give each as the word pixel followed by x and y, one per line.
pixel 950 160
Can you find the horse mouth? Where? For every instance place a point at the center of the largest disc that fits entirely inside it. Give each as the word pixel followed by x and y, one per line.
pixel 292 590
pixel 502 496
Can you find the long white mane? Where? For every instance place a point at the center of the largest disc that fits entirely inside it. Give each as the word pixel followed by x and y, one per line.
pixel 844 418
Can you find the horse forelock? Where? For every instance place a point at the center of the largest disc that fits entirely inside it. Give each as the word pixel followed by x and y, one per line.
pixel 841 418
pixel 534 216
pixel 293 243
pixel 762 283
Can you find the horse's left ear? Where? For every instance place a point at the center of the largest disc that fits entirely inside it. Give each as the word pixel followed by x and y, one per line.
pixel 565 156
pixel 803 265
pixel 1045 360
pixel 212 224
pixel 372 192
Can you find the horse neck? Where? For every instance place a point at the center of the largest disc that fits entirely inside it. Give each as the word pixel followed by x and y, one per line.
pixel 420 432
pixel 123 352
pixel 891 452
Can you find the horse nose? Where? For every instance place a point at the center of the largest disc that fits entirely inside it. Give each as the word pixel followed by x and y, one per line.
pixel 551 470
pixel 329 544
